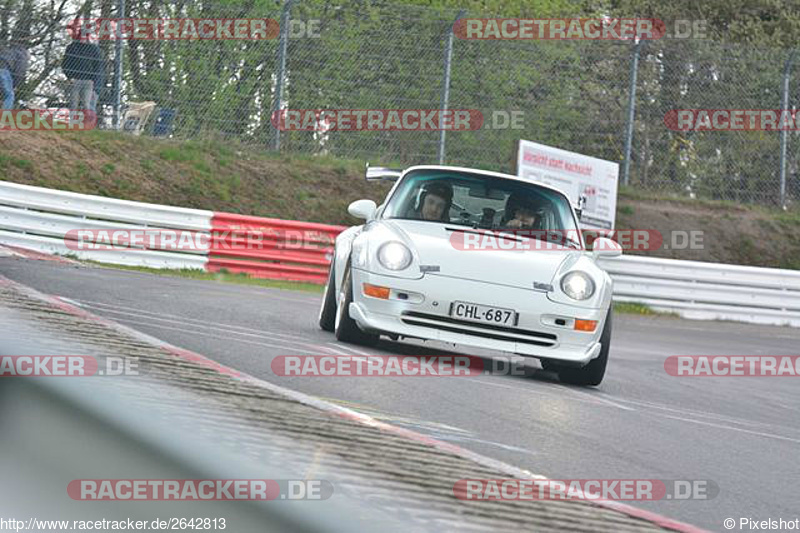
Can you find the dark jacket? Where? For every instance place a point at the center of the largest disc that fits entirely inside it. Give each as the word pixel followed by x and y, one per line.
pixel 15 58
pixel 84 61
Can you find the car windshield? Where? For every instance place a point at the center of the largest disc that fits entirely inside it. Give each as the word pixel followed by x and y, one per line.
pixel 483 202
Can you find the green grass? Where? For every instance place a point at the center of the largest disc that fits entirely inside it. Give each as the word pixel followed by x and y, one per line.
pixel 223 276
pixel 632 193
pixel 633 308
pixel 23 164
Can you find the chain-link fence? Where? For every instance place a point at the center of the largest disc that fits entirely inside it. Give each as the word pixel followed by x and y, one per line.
pixel 575 95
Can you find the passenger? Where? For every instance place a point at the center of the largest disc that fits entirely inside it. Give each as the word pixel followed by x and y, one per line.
pixel 522 212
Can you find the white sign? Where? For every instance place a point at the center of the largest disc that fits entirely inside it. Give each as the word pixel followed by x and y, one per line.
pixel 576 175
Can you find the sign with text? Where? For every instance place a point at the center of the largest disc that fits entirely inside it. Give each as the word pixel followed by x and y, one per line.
pixel 576 175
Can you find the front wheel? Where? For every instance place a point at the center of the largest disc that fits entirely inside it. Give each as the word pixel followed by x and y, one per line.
pixel 345 327
pixel 592 373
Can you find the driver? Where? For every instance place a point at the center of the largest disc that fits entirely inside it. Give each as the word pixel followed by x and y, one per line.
pixel 435 201
pixel 522 212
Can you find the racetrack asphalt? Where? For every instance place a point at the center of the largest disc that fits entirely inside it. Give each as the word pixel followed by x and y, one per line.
pixel 641 423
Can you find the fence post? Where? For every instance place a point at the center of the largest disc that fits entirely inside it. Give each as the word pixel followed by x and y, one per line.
pixel 118 51
pixel 280 74
pixel 787 71
pixel 626 165
pixel 448 57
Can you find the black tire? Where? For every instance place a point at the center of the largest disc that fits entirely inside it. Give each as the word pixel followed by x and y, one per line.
pixel 327 313
pixel 345 327
pixel 591 374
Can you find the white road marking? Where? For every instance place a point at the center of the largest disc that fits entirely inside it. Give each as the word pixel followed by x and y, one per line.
pixel 436 430
pixel 215 335
pixel 226 329
pixel 692 412
pixel 598 398
pixel 139 312
pixel 335 349
pixel 349 348
pixel 741 430
pixel 70 301
pixel 544 393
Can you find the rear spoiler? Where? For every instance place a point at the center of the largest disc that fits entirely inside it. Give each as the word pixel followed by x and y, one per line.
pixel 382 173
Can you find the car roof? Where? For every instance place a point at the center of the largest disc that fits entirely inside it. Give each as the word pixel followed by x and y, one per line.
pixel 485 173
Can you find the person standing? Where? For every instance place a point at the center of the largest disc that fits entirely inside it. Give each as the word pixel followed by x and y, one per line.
pixel 14 60
pixel 84 66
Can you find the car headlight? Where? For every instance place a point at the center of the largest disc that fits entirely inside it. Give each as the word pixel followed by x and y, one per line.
pixel 577 285
pixel 394 255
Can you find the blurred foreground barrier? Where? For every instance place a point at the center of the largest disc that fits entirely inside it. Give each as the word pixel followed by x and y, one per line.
pixel 138 234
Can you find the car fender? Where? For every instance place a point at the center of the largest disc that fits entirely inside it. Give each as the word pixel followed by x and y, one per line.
pixel 342 248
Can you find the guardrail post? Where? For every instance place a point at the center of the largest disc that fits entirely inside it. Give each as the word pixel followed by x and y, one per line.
pixel 448 57
pixel 280 73
pixel 787 71
pixel 626 165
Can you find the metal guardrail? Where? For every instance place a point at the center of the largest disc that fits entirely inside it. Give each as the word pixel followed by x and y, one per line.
pixel 45 220
pixel 101 208
pixel 272 248
pixel 708 291
pixel 39 219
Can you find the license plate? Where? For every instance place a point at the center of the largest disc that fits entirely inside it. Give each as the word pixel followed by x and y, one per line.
pixel 484 313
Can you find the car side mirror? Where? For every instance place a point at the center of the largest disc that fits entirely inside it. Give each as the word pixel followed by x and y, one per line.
pixel 605 247
pixel 364 209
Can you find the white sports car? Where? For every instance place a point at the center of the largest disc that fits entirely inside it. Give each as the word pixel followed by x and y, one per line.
pixel 474 258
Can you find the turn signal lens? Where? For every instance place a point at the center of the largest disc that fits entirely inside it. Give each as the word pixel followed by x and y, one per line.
pixel 376 291
pixel 585 325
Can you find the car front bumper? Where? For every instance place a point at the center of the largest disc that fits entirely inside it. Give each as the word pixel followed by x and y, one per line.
pixel 424 314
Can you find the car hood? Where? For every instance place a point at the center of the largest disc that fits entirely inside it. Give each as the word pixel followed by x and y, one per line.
pixel 436 245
